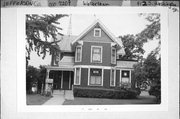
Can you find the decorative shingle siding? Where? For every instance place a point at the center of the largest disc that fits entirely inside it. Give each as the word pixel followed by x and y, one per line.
pixel 90 36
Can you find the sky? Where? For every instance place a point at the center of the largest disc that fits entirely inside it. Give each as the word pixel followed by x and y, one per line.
pixel 119 25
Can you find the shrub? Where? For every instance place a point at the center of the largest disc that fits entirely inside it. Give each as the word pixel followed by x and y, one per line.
pixel 156 91
pixel 105 93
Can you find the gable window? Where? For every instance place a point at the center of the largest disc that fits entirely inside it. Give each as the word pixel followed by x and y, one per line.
pixel 97 32
pixel 95 77
pixel 78 56
pixel 96 54
pixel 113 77
pixel 77 77
pixel 113 56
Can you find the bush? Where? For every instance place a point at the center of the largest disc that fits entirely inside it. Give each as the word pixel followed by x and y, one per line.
pixel 156 91
pixel 105 93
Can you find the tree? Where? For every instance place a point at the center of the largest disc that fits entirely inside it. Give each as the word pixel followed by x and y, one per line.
pixel 32 75
pixel 39 30
pixel 133 48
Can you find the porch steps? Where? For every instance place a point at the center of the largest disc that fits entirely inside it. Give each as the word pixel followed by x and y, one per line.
pixel 58 92
pixel 69 95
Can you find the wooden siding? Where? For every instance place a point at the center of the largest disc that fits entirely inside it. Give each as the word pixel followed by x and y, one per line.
pixel 86 54
pixel 90 36
pixel 117 77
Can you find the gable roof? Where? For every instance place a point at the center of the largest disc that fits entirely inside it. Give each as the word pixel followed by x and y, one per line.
pixel 102 26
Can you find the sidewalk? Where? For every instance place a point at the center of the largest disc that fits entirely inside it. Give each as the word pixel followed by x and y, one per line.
pixel 59 97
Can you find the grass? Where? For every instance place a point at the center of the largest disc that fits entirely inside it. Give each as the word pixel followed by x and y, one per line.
pixel 36 99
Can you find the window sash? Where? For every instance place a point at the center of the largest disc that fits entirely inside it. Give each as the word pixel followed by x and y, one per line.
pixel 97 32
pixel 77 76
pixel 95 77
pixel 78 54
pixel 96 54
pixel 113 56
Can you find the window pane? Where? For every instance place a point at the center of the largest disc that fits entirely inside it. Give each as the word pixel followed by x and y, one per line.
pixel 77 75
pixel 95 76
pixel 96 54
pixel 78 53
pixel 112 77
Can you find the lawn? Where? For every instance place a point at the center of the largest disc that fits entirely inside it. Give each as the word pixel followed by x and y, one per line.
pixel 36 99
pixel 98 101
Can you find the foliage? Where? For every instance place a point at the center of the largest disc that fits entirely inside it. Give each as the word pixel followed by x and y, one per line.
pixel 32 75
pixel 35 77
pixel 133 48
pixel 105 93
pixel 133 44
pixel 39 30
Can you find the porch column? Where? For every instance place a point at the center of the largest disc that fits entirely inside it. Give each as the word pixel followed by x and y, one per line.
pixel 47 77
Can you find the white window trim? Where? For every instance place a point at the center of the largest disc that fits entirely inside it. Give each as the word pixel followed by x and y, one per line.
pixel 112 57
pixel 101 53
pixel 99 32
pixel 114 78
pixel 101 76
pixel 80 54
pixel 121 75
pixel 79 76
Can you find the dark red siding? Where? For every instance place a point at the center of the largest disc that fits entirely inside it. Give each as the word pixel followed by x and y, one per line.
pixel 90 36
pixel 86 54
pixel 106 82
pixel 84 77
pixel 117 77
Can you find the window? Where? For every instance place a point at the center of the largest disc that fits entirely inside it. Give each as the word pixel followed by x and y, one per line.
pixel 125 78
pixel 77 76
pixel 113 56
pixel 78 56
pixel 113 77
pixel 96 54
pixel 97 32
pixel 95 77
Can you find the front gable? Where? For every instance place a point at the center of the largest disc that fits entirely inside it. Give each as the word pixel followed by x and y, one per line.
pixel 106 35
pixel 91 37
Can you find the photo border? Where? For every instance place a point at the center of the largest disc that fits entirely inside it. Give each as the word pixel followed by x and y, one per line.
pixel 21 64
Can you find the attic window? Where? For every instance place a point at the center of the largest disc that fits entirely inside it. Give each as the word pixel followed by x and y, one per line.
pixel 97 32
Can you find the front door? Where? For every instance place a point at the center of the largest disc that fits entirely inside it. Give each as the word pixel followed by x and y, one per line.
pixel 66 80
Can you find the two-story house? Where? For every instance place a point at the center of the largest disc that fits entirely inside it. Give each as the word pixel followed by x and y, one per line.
pixel 90 60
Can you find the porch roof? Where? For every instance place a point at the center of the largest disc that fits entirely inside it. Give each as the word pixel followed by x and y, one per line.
pixel 65 64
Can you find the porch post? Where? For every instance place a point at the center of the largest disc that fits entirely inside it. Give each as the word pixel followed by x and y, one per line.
pixel 62 80
pixel 47 76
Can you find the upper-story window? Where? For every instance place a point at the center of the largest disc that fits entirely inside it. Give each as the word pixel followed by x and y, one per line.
pixel 113 56
pixel 78 56
pixel 97 32
pixel 96 54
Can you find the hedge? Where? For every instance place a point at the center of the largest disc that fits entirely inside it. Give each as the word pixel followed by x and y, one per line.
pixel 104 93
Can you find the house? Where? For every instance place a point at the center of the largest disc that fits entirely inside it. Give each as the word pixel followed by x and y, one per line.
pixel 90 60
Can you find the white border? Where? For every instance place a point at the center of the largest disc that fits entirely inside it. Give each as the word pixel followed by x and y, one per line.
pixel 97 29
pixel 113 79
pixel 79 76
pixel 80 54
pixel 21 93
pixel 102 76
pixel 93 46
pixel 113 62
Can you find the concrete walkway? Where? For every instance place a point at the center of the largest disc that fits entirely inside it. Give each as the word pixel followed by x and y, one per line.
pixel 59 96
